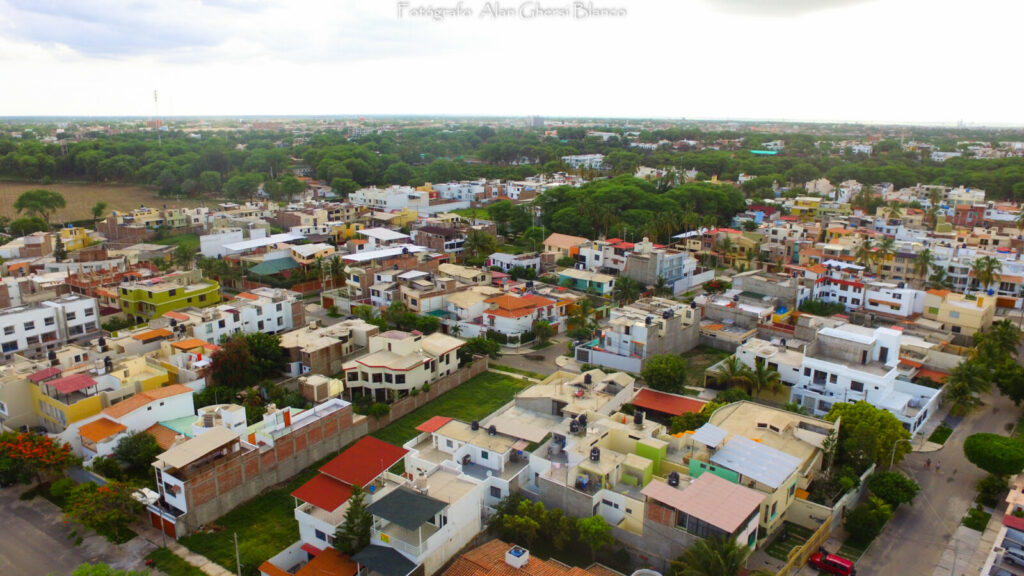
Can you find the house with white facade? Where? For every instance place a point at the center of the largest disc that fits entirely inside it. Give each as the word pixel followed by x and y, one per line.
pixel 35 329
pixel 592 161
pixel 893 299
pixel 391 198
pixel 264 309
pixel 512 314
pixel 646 263
pixel 98 436
pixel 506 262
pixel 400 361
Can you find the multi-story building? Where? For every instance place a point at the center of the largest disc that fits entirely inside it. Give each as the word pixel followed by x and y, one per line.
pixel 75 238
pixel 564 245
pixel 646 264
pixel 392 198
pixel 604 255
pixel 151 298
pixel 35 329
pixel 592 161
pixel 959 313
pixel 805 207
pixel 267 310
pixel 510 314
pixel 440 238
pixel 506 262
pixel 98 436
pixel 323 350
pixel 645 328
pixel 848 363
pixel 587 281
pixel 893 299
pixel 399 362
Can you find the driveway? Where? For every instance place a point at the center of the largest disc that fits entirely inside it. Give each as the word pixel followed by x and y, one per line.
pixel 914 540
pixel 546 366
pixel 36 541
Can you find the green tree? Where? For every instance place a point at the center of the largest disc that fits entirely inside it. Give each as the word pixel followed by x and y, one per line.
pixel 894 211
pixel 478 345
pixel 716 555
pixel 242 186
pixel 986 270
pixel 995 454
pixel 59 252
pixel 479 244
pixel 209 181
pixel 344 186
pixel 595 532
pixel 732 372
pixel 966 382
pixel 26 226
pixel 893 487
pixel 354 533
pixel 40 204
pixel 98 210
pixel 661 287
pixel 26 456
pixel 543 330
pixel 865 253
pixel 267 353
pixel 694 420
pixel 108 509
pixel 399 173
pixel 233 366
pixel 761 377
pixel 922 265
pixel 868 434
pixel 291 187
pixel 865 522
pixel 137 451
pixel 626 290
pixel 183 257
pixel 665 372
pixel 886 248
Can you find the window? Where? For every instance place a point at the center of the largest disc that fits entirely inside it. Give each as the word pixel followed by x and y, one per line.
pixel 448 442
pixel 484 455
pixel 32 325
pixel 89 311
pixel 280 321
pixel 832 378
pixel 388 378
pixel 9 346
pixel 48 322
pixel 221 324
pixel 857 386
pixel 954 314
pixel 320 535
pixel 8 330
pixel 209 328
pixel 202 297
pixel 495 492
pixel 399 378
pixel 173 292
pixel 279 307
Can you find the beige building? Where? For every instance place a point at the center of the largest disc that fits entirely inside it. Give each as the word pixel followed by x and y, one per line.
pixel 959 313
pixel 322 350
pixel 401 362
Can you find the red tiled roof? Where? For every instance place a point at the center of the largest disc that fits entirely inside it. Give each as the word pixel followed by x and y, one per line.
pixel 272 570
pixel 330 562
pixel 364 461
pixel 1014 522
pixel 666 403
pixel 248 296
pixel 101 429
pixel 43 374
pixel 72 383
pixel 153 334
pixel 194 343
pixel 311 549
pixel 324 492
pixel 176 316
pixel 164 435
pixel 434 424
pixel 935 375
pixel 143 398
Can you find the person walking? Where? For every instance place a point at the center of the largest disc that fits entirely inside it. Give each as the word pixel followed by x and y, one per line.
pixel 928 463
pixel 938 465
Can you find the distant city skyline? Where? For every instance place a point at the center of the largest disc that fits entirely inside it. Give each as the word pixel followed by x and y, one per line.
pixel 852 61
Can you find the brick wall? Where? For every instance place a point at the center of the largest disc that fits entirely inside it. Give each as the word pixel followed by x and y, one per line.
pixel 410 403
pixel 233 480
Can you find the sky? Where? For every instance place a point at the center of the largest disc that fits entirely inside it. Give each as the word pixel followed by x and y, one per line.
pixel 877 61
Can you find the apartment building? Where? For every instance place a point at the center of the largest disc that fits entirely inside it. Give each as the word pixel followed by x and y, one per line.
pixel 267 310
pixel 587 281
pixel 604 255
pixel 506 262
pixel 400 362
pixel 36 329
pixel 440 238
pixel 645 328
pixel 391 198
pixel 591 161
pixel 893 299
pixel 151 298
pixel 680 271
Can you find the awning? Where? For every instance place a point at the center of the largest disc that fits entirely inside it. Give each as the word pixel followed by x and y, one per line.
pixel 311 549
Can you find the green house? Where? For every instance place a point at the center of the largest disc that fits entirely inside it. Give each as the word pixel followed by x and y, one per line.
pixel 152 298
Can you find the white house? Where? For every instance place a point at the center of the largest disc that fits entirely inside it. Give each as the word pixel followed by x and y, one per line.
pixel 35 329
pixel 99 435
pixel 403 361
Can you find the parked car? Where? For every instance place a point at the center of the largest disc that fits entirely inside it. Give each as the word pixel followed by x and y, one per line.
pixel 832 564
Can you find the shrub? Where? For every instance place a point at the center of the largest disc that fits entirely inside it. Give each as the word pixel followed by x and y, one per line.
pixel 379 409
pixel 61 488
pixel 995 454
pixel 865 522
pixel 414 392
pixel 990 488
pixel 893 487
pixel 425 388
pixel 108 467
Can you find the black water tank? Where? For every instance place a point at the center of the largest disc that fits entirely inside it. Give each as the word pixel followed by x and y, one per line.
pixel 587 379
pixel 475 425
pixel 638 418
pixel 666 314
pixel 574 427
pixel 583 420
pixel 673 479
pixel 595 454
pixel 649 320
pixel 492 430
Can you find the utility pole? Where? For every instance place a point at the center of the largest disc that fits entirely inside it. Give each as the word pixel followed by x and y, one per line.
pixel 238 560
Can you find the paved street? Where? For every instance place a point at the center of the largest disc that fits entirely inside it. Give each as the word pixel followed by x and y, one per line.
pixel 914 540
pixel 545 366
pixel 35 541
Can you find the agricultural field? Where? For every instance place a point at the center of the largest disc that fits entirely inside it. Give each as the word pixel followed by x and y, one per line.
pixel 81 198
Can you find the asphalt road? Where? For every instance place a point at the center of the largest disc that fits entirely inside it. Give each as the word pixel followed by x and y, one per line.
pixel 545 366
pixel 34 541
pixel 914 540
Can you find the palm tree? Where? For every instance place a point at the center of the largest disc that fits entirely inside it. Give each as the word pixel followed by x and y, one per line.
pixel 986 270
pixel 479 243
pixel 732 373
pixel 886 248
pixel 717 555
pixel 894 211
pixel 866 251
pixel 1002 338
pixel 581 313
pixel 965 382
pixel 922 264
pixel 626 289
pixel 455 330
pixel 661 287
pixel 725 246
pixel 763 378
pixel 940 279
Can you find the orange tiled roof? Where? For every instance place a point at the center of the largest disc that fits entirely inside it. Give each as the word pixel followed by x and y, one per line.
pixel 330 562
pixel 101 429
pixel 489 560
pixel 942 293
pixel 142 398
pixel 194 343
pixel 153 334
pixel 164 435
pixel 248 296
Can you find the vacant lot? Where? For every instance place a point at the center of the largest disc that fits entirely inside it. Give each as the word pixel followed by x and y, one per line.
pixel 82 197
pixel 266 524
pixel 698 360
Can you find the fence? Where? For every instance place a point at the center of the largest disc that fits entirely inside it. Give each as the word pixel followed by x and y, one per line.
pixel 798 556
pixel 410 403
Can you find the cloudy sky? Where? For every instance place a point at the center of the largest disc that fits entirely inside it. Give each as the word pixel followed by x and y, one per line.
pixel 934 61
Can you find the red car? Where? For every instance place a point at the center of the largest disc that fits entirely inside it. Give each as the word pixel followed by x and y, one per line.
pixel 832 564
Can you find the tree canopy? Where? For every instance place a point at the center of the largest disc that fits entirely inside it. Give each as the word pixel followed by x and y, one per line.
pixel 995 454
pixel 665 372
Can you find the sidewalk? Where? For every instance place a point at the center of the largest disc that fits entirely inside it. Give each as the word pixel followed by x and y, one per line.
pixel 203 563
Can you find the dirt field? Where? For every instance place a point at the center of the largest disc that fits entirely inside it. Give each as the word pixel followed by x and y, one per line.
pixel 82 197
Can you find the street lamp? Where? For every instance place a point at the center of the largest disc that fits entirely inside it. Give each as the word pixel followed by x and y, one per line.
pixel 894 445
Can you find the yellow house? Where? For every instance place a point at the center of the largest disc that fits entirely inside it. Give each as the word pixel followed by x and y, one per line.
pixel 961 314
pixel 342 232
pixel 307 254
pixel 805 207
pixel 61 400
pixel 395 219
pixel 75 238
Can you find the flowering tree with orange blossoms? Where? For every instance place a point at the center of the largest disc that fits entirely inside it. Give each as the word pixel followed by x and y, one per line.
pixel 25 455
pixel 109 509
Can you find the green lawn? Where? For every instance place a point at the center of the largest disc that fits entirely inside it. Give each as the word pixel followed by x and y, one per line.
pixel 797 535
pixel 266 524
pixel 172 565
pixel 190 241
pixel 941 434
pixel 520 371
pixel 698 360
pixel 470 401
